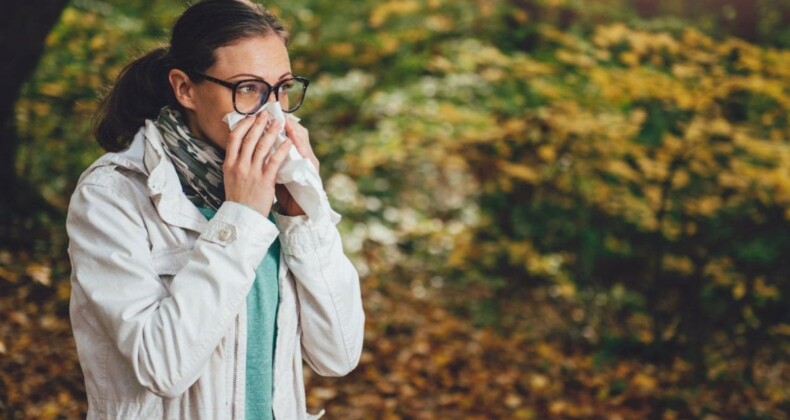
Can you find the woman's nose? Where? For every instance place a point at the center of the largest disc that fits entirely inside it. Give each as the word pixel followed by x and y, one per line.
pixel 272 97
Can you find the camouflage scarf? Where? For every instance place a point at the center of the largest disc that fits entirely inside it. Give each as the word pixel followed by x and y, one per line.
pixel 197 162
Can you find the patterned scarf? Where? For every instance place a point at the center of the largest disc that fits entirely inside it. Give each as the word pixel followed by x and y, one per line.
pixel 197 162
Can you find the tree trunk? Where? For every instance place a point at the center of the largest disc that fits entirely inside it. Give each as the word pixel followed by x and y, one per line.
pixel 24 25
pixel 745 23
pixel 647 8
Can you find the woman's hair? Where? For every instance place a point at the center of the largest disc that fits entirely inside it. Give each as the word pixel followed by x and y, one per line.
pixel 143 88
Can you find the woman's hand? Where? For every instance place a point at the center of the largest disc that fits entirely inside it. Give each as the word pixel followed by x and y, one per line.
pixel 301 140
pixel 249 176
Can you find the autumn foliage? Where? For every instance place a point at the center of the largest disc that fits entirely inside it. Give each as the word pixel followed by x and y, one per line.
pixel 557 209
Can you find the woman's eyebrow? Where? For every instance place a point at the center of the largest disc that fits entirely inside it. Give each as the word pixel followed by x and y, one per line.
pixel 246 75
pixel 255 76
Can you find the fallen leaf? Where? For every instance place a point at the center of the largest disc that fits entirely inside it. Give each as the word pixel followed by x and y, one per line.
pixel 8 275
pixel 323 393
pixel 40 274
pixel 512 401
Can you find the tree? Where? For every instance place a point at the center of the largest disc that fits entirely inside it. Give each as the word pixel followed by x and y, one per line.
pixel 23 28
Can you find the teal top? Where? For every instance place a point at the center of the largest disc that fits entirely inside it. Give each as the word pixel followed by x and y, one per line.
pixel 262 305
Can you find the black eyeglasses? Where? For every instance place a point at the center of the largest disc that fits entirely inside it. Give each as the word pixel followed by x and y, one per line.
pixel 250 95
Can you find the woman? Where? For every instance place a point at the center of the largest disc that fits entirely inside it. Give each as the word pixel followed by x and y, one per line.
pixel 193 295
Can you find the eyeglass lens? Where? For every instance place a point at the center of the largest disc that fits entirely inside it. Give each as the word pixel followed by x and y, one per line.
pixel 251 95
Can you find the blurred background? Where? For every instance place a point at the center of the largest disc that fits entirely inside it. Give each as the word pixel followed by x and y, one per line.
pixel 558 208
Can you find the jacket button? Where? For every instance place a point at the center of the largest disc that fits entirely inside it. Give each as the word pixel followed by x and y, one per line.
pixel 224 234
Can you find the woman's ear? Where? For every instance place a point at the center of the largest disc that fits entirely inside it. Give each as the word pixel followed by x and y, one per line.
pixel 183 88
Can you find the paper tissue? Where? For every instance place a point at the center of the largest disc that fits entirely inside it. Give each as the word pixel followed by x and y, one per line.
pixel 298 174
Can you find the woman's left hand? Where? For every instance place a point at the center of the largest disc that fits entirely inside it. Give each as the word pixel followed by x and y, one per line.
pixel 301 140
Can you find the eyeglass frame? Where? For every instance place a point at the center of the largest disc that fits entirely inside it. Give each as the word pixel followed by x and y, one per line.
pixel 276 88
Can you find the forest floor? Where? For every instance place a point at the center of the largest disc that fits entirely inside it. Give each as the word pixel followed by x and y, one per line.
pixel 424 357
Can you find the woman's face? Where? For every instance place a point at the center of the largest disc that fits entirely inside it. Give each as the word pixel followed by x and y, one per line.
pixel 263 57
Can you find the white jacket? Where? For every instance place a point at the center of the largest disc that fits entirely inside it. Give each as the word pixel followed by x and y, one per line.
pixel 158 302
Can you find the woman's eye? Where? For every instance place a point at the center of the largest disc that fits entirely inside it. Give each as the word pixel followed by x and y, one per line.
pixel 249 89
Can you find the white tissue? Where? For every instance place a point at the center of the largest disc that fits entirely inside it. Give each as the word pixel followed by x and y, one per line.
pixel 298 174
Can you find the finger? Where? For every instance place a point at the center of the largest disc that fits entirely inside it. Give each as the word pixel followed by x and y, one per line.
pixel 253 137
pixel 301 139
pixel 265 144
pixel 276 160
pixel 289 132
pixel 298 130
pixel 236 137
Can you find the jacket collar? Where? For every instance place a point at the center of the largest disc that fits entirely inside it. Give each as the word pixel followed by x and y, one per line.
pixel 146 155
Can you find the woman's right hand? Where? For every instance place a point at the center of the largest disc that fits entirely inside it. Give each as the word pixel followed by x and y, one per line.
pixel 249 176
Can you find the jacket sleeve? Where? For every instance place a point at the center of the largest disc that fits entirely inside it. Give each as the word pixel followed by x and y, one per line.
pixel 327 285
pixel 167 334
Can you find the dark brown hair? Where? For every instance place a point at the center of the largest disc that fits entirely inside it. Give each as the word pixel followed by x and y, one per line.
pixel 142 88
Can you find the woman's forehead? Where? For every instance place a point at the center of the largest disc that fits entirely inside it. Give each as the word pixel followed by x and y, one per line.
pixel 265 57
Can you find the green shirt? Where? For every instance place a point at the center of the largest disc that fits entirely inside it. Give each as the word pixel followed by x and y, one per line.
pixel 262 303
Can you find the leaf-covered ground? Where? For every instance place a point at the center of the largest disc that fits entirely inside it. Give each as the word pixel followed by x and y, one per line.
pixel 424 358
